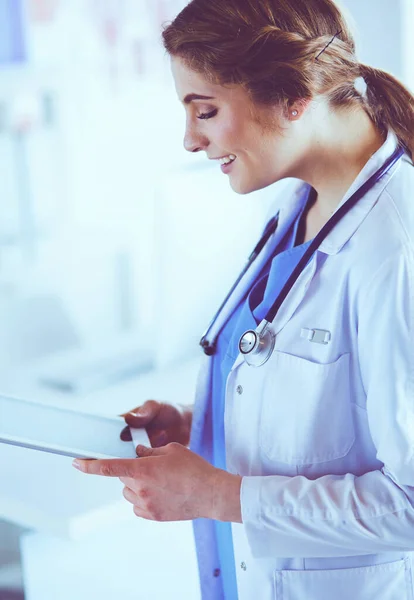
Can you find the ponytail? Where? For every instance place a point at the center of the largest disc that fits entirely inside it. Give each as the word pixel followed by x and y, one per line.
pixel 390 104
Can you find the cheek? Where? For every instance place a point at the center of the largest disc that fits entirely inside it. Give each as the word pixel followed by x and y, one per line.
pixel 227 138
pixel 230 134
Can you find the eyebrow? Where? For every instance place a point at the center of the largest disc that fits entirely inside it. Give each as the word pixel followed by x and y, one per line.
pixel 190 97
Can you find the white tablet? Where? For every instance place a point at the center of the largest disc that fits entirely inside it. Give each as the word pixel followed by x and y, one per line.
pixel 64 431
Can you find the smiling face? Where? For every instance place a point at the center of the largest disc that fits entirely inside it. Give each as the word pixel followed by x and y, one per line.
pixel 226 123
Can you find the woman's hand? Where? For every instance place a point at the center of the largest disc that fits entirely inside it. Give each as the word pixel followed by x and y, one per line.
pixel 163 422
pixel 172 484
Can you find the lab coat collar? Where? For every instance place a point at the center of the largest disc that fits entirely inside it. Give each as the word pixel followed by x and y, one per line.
pixel 342 232
pixel 338 236
pixel 286 218
pixel 347 226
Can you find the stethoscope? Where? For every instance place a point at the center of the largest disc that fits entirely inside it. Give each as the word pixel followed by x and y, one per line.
pixel 257 345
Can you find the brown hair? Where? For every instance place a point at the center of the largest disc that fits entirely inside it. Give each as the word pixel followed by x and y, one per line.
pixel 282 51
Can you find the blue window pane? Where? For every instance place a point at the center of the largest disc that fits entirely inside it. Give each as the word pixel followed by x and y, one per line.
pixel 12 42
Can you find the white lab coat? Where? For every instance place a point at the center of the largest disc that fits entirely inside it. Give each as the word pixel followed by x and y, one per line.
pixel 323 435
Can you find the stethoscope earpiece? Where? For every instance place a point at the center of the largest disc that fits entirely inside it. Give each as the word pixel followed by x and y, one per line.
pixel 257 345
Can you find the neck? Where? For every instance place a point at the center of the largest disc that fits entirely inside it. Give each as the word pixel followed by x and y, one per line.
pixel 336 155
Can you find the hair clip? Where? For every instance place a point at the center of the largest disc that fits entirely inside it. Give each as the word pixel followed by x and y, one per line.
pixel 328 44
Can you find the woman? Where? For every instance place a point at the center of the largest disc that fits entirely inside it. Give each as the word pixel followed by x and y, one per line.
pixel 304 467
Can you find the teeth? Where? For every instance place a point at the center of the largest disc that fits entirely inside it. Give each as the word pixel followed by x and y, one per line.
pixel 227 159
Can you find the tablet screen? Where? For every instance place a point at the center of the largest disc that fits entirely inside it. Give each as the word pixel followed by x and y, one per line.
pixel 63 431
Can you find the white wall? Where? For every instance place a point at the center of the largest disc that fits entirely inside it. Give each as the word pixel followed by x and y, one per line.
pixel 378 25
pixel 408 42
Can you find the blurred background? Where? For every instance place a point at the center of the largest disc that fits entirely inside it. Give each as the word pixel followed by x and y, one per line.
pixel 112 237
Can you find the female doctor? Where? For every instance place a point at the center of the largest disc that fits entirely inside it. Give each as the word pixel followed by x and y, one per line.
pixel 300 472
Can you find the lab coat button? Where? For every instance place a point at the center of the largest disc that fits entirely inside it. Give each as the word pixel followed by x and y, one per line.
pixel 239 389
pixel 243 566
pixel 216 572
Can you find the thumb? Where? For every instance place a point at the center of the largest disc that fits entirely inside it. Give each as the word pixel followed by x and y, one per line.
pixel 139 418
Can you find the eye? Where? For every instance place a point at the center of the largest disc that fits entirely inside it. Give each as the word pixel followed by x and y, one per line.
pixel 208 115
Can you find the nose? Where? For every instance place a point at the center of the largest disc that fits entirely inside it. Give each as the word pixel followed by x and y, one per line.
pixel 191 147
pixel 194 141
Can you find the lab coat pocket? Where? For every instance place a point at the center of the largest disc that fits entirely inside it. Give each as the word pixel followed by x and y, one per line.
pixel 389 581
pixel 306 415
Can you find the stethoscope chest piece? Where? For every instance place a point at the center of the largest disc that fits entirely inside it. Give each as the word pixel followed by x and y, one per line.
pixel 257 346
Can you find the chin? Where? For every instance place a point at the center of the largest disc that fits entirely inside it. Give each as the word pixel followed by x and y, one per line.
pixel 244 187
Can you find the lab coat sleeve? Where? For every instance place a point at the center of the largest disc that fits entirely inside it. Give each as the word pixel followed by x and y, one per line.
pixel 353 515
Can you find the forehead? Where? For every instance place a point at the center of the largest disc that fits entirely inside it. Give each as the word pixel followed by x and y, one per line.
pixel 189 82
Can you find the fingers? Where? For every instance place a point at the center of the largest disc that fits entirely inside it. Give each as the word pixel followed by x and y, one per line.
pixel 133 410
pixel 126 434
pixel 158 439
pixel 143 514
pixel 142 415
pixel 113 467
pixel 130 495
pixel 144 451
pixel 121 467
pixel 135 500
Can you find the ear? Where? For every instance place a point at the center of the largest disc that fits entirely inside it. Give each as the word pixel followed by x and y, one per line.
pixel 296 110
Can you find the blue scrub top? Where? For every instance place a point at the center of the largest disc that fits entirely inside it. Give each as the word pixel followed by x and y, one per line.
pixel 248 315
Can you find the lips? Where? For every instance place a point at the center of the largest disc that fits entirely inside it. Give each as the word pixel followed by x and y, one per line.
pixel 226 168
pixel 225 156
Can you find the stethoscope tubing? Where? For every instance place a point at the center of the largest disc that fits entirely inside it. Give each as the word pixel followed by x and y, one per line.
pixel 209 347
pixel 327 228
